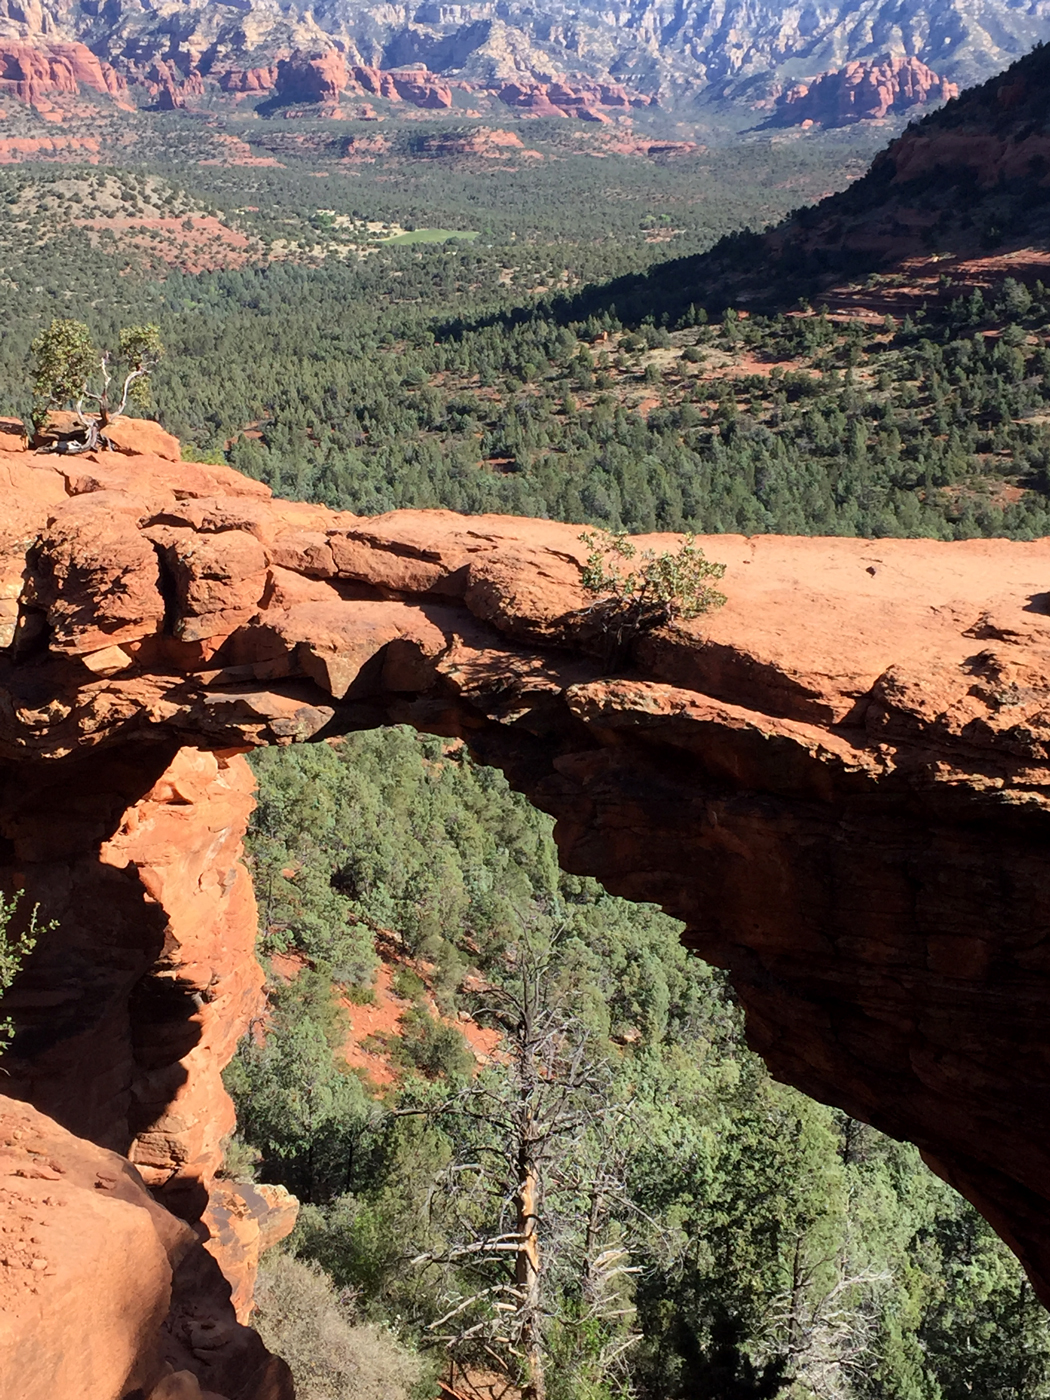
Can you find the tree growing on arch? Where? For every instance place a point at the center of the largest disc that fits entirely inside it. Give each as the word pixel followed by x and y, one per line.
pixel 73 373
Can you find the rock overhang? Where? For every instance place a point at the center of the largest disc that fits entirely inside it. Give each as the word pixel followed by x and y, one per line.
pixel 839 781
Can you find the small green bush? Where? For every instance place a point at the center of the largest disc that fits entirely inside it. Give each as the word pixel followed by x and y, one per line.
pixel 666 587
pixel 408 984
pixel 211 456
pixel 436 1050
pixel 14 949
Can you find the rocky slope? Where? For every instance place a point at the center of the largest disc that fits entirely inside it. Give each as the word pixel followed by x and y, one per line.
pixel 131 1012
pixel 840 782
pixel 960 199
pixel 103 1293
pixel 749 50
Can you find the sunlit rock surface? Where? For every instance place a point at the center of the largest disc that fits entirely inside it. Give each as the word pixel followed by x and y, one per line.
pixel 839 782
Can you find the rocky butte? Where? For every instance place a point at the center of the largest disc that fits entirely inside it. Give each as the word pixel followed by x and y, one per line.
pixel 863 92
pixel 840 782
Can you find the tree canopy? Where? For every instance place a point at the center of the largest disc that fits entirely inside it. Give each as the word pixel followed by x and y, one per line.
pixel 71 372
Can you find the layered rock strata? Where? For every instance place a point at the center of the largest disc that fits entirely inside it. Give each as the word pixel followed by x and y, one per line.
pixel 863 92
pixel 327 77
pixel 840 782
pixel 737 49
pixel 32 72
pixel 35 72
pixel 583 100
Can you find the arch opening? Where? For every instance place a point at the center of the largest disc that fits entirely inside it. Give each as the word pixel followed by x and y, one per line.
pixel 837 783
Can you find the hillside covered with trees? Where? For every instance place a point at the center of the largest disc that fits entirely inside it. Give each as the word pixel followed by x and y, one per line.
pixel 412 324
pixel 701 1230
pixel 471 374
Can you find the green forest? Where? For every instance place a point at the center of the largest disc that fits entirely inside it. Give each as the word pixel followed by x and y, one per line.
pixel 615 1201
pixel 703 1232
pixel 416 377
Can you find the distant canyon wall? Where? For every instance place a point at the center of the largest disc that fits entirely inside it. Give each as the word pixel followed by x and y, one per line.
pixel 741 50
pixel 36 74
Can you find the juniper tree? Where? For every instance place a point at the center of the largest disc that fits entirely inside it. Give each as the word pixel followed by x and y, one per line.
pixel 72 372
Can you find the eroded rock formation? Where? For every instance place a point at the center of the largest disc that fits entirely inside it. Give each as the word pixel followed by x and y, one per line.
pixel 564 99
pixel 863 92
pixel 103 1292
pixel 41 69
pixel 735 49
pixel 35 72
pixel 840 782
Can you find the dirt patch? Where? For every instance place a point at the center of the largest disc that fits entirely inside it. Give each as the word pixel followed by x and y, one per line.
pixel 287 966
pixel 234 151
pixel 903 288
pixel 380 1020
pixel 197 243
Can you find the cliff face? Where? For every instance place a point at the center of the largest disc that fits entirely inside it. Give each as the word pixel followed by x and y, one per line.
pixel 840 782
pixel 129 1012
pixel 131 1008
pixel 34 72
pixel 737 49
pixel 37 71
pixel 863 92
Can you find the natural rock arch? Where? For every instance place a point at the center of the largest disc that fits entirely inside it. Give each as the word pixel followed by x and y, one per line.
pixel 839 782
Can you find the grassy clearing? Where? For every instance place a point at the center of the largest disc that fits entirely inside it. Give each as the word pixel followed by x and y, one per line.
pixel 433 235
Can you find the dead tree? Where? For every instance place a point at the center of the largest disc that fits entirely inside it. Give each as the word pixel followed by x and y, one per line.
pixel 526 1130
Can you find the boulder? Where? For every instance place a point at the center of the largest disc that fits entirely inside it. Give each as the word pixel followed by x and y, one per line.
pixel 90 1298
pixel 142 437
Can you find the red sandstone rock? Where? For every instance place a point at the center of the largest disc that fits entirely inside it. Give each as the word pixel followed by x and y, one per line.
pixel 563 99
pixel 531 98
pixel 97 580
pixel 187 857
pixel 564 96
pixel 840 782
pixel 992 158
pixel 422 89
pixel 92 1286
pixel 168 86
pixel 375 81
pixel 485 142
pixel 32 72
pixel 244 1220
pixel 107 1252
pixel 249 80
pixel 613 95
pixel 15 149
pixel 219 579
pixel 152 1089
pixel 863 92
pixel 320 79
pixel 141 436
